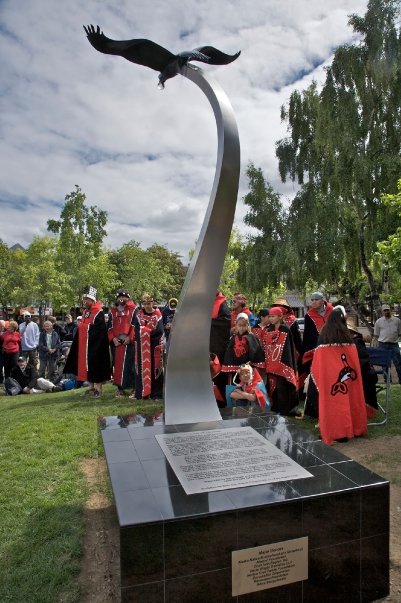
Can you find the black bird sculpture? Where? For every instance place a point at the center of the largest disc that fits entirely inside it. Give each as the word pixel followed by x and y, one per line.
pixel 150 54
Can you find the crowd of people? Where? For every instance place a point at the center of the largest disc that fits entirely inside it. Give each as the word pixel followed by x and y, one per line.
pixel 256 359
pixel 325 374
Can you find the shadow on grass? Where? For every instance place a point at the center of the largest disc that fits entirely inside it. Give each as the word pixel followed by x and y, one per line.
pixel 43 558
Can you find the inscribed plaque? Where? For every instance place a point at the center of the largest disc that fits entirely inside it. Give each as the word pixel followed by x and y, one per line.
pixel 219 459
pixel 263 567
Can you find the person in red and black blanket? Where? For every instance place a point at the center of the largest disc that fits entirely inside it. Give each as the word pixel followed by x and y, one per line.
pixel 148 352
pixel 89 356
pixel 121 335
pixel 290 320
pixel 243 347
pixel 219 337
pixel 336 373
pixel 281 365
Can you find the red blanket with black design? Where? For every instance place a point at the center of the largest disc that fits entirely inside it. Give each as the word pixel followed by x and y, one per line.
pixel 337 375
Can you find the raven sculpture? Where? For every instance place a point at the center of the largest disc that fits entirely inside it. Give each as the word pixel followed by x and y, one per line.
pixel 150 54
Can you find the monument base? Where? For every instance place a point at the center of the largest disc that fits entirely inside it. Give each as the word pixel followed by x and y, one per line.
pixel 176 547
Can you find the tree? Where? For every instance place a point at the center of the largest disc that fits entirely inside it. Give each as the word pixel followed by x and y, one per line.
pixel 81 231
pixel 139 271
pixel 229 277
pixel 263 259
pixel 173 266
pixel 344 143
pixel 42 280
pixel 6 275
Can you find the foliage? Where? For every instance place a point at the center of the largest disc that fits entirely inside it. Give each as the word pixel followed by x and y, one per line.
pixel 56 269
pixel 229 277
pixel 391 248
pixel 264 257
pixel 344 149
pixel 155 270
pixel 6 275
pixel 81 231
pixel 173 266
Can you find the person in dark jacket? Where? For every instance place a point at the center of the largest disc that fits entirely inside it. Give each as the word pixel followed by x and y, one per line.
pixel 70 328
pixel 49 349
pixel 23 377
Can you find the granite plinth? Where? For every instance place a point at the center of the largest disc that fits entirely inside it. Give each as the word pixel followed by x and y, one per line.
pixel 176 547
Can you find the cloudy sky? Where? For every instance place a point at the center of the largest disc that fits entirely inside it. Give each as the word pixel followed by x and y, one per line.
pixel 70 115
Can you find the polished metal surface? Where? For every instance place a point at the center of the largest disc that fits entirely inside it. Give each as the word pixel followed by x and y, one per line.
pixel 188 392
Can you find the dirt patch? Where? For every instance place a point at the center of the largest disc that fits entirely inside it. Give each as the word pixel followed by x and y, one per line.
pixel 100 569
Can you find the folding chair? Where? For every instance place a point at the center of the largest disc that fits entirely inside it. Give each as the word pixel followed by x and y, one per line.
pixel 381 361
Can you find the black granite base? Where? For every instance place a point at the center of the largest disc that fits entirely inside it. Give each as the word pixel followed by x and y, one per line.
pixel 177 548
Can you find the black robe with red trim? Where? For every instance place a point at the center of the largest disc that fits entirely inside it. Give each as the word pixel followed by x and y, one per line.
pixel 89 356
pixel 337 375
pixel 281 368
pixel 220 331
pixel 220 327
pixel 148 353
pixel 120 323
pixel 314 323
pixel 242 349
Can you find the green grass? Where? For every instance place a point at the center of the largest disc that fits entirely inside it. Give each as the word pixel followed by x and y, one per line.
pixel 42 491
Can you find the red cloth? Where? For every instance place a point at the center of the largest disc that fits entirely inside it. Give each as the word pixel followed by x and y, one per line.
pixel 337 375
pixel 318 319
pixel 280 354
pixel 121 325
pixel 88 318
pixel 10 341
pixel 220 299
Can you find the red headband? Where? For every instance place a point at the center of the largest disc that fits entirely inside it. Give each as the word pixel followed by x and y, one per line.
pixel 275 311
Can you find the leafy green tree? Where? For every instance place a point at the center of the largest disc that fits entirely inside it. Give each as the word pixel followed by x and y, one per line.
pixel 6 275
pixel 81 231
pixel 43 281
pixel 173 266
pixel 229 277
pixel 390 249
pixel 139 271
pixel 344 144
pixel 263 259
pixel 20 292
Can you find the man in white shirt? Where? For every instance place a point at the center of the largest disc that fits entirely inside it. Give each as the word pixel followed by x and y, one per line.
pixel 29 332
pixel 387 331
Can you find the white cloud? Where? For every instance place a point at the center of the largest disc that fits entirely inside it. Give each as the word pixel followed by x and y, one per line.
pixel 70 115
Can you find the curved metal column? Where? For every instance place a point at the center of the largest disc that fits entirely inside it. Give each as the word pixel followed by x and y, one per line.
pixel 188 392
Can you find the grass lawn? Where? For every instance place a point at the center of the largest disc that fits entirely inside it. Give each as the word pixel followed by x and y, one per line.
pixel 42 491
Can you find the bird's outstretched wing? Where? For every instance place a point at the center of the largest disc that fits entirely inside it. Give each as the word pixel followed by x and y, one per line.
pixel 215 56
pixel 142 52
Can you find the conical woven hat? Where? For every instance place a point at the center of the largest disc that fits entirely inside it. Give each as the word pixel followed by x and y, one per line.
pixel 281 301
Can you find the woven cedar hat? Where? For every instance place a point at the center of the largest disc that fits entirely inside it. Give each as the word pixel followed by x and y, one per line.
pixel 281 301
